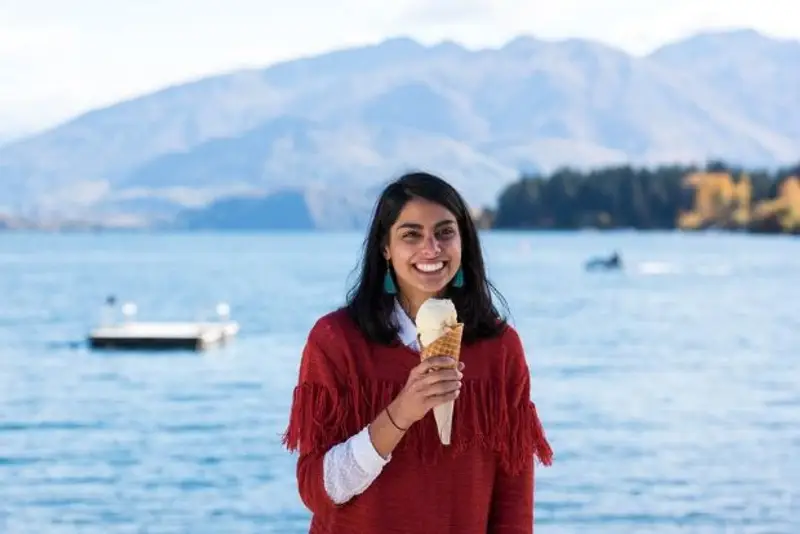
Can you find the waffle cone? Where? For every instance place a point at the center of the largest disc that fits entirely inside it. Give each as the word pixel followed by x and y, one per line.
pixel 448 344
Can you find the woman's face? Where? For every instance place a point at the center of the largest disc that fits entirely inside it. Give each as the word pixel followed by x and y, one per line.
pixel 424 249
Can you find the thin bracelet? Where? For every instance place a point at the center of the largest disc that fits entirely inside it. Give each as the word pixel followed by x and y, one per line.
pixel 389 415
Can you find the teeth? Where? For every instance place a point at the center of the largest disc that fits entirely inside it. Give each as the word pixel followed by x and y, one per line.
pixel 430 267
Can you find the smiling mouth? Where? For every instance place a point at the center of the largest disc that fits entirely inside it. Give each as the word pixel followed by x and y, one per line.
pixel 430 267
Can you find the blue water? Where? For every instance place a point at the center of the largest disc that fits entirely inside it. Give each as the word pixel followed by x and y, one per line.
pixel 671 393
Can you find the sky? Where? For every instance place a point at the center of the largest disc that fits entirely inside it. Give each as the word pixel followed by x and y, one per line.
pixel 59 58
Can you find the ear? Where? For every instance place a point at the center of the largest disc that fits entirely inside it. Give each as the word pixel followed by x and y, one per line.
pixel 386 255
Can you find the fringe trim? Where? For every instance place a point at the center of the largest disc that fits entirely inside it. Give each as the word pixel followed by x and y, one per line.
pixel 318 420
pixel 321 418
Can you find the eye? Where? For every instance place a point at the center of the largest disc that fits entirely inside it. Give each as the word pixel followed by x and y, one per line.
pixel 447 233
pixel 411 235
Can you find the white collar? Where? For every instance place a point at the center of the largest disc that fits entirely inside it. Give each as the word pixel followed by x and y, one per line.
pixel 407 329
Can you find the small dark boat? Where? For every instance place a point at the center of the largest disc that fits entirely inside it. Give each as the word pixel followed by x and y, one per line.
pixel 612 263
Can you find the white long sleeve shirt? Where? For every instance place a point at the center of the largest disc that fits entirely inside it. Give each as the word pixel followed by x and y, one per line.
pixel 350 467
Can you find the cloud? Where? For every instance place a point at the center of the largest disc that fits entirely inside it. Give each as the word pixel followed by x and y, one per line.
pixel 39 73
pixel 59 57
pixel 445 12
pixel 36 42
pixel 637 26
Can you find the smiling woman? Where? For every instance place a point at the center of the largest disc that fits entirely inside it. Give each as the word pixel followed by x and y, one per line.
pixel 424 251
pixel 370 456
pixel 419 222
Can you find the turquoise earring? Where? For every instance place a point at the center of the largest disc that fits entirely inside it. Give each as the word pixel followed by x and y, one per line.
pixel 458 280
pixel 388 282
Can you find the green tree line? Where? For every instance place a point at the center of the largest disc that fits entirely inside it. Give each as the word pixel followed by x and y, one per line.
pixel 651 198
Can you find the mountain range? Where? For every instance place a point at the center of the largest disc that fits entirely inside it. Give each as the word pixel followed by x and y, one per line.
pixel 313 139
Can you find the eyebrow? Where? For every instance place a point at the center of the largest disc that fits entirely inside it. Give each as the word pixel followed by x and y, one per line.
pixel 417 226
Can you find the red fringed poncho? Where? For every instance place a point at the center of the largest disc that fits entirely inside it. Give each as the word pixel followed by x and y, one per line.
pixel 482 483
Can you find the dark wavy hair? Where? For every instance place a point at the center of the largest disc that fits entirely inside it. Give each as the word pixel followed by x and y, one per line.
pixel 371 308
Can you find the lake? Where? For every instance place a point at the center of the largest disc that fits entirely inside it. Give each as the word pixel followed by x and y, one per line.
pixel 670 391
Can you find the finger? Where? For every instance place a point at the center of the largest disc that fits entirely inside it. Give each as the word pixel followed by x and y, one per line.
pixel 440 388
pixel 440 362
pixel 435 400
pixel 432 363
pixel 423 382
pixel 440 375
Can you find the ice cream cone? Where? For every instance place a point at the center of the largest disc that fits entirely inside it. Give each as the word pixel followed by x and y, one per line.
pixel 449 344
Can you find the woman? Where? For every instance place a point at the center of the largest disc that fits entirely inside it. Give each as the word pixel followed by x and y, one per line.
pixel 371 460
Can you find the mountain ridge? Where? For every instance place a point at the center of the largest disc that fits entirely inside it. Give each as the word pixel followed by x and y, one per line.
pixel 341 122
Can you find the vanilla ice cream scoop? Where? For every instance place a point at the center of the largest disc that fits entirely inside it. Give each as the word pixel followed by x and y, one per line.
pixel 434 318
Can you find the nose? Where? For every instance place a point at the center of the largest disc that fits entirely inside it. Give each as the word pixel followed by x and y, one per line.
pixel 431 247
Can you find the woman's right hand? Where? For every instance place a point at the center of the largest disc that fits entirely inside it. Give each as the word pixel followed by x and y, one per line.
pixel 434 381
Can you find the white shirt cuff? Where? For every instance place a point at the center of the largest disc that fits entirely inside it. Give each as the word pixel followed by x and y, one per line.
pixel 365 454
